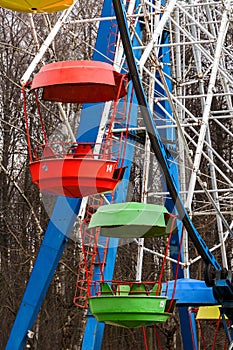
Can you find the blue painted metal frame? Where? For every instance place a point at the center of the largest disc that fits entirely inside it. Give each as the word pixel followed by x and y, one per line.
pixel 94 330
pixel 187 321
pixel 52 247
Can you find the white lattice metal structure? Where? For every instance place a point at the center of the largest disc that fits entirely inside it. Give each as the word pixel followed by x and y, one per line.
pixel 201 102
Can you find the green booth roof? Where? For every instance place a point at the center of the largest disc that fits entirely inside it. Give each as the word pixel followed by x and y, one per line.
pixel 132 220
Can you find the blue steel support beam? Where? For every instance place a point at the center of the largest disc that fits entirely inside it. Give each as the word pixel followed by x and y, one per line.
pixel 94 331
pixel 189 293
pixel 52 247
pixel 187 321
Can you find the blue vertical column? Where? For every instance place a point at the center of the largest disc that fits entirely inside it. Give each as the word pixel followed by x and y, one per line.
pixel 94 330
pixel 168 135
pixel 52 247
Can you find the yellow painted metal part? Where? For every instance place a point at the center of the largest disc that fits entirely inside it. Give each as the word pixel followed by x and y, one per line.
pixel 36 6
pixel 208 312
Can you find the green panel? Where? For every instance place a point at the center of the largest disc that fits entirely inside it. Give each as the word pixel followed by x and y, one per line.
pixel 129 311
pixel 138 289
pixel 156 290
pixel 123 289
pixel 132 219
pixel 132 320
pixel 106 289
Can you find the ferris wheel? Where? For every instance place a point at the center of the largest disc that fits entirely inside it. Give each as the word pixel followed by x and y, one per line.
pixel 175 58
